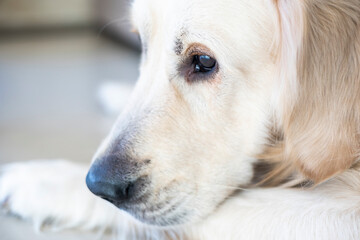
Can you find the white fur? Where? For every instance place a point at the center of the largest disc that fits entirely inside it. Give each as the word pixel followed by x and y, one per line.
pixel 284 214
pixel 203 136
pixel 52 191
pixel 55 190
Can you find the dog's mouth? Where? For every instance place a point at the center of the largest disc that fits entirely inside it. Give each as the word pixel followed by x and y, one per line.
pixel 169 212
pixel 140 197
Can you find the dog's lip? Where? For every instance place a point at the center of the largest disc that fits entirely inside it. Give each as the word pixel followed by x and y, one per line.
pixel 165 213
pixel 171 216
pixel 140 199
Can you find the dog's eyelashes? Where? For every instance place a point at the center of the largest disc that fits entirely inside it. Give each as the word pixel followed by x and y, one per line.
pixel 203 63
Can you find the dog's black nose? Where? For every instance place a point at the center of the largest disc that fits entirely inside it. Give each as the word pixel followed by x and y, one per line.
pixel 114 179
pixel 107 188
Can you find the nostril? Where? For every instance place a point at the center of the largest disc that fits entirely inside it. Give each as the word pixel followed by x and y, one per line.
pixel 124 191
pixel 128 190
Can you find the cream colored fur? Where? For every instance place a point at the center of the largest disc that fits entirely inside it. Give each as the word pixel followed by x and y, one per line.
pixel 287 89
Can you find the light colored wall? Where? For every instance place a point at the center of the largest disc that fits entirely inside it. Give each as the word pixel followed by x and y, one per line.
pixel 114 16
pixel 45 13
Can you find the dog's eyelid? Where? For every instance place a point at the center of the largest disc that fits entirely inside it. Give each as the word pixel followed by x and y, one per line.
pixel 198 49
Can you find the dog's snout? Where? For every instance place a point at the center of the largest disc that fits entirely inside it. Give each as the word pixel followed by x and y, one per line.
pixel 107 188
pixel 116 180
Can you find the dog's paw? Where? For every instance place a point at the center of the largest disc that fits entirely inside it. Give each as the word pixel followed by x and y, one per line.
pixel 50 191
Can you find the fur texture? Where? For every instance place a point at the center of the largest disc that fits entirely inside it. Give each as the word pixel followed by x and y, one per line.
pixel 285 93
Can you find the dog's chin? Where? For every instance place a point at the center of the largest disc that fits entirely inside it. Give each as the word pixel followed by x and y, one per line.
pixel 160 215
pixel 170 218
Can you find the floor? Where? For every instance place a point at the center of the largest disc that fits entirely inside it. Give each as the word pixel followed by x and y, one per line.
pixel 49 106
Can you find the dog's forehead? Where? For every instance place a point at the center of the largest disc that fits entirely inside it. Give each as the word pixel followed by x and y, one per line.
pixel 201 20
pixel 172 27
pixel 148 16
pixel 175 17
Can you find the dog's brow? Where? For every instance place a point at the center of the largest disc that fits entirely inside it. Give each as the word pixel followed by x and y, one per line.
pixel 178 46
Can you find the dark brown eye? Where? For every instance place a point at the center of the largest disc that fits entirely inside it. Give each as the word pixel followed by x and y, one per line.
pixel 203 63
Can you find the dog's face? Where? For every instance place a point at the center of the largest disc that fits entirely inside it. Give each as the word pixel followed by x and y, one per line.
pixel 199 112
pixel 215 77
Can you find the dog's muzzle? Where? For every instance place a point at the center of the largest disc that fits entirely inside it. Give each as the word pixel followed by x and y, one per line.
pixel 117 180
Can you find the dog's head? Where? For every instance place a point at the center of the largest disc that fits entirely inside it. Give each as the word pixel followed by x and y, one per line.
pixel 217 78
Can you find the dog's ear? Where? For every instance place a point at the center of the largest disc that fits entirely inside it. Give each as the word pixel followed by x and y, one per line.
pixel 319 80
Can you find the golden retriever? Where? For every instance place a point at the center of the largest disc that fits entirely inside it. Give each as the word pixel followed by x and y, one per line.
pixel 261 96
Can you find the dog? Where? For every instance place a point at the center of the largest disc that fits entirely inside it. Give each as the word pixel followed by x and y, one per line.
pixel 244 124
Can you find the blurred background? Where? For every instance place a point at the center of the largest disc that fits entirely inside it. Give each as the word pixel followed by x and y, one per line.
pixel 58 60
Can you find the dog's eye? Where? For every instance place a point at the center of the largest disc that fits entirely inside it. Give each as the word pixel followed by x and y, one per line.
pixel 198 67
pixel 203 63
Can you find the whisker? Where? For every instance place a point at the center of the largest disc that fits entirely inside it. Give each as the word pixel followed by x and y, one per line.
pixel 117 20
